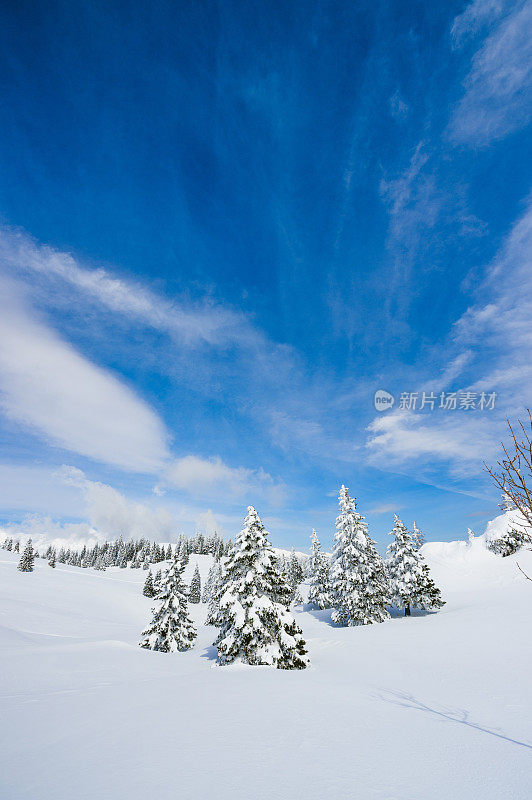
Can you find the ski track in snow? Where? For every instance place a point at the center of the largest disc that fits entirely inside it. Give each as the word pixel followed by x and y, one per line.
pixel 435 706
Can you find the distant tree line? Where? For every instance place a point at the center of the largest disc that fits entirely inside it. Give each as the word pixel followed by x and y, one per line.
pixel 135 554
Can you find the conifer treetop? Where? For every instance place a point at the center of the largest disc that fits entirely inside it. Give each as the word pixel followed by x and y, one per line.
pixel 171 630
pixel 412 586
pixel 359 586
pixel 256 626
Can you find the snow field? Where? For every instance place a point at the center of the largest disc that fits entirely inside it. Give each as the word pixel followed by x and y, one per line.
pixel 434 706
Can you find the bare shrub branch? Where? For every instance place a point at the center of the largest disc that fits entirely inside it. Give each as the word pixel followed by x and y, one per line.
pixel 513 473
pixel 524 573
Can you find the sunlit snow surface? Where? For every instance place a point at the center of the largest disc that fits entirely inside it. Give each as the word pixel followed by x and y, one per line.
pixel 435 706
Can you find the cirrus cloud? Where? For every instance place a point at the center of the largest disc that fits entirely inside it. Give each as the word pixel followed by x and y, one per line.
pixel 51 389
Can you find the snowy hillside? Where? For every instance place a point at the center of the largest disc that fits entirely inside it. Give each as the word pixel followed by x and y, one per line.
pixel 434 706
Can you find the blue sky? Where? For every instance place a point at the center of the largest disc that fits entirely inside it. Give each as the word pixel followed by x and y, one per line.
pixel 224 226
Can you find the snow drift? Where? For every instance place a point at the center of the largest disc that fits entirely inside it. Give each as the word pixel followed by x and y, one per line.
pixel 434 706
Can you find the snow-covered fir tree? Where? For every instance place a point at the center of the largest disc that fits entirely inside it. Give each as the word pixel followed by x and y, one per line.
pixel 315 549
pixel 506 504
pixel 410 581
pixel 51 559
pixel 293 574
pixel 470 537
pixel 171 630
pixel 296 570
pixel 510 542
pixel 148 589
pixel 26 560
pixel 158 580
pixel 359 585
pixel 429 596
pixel 255 627
pixel 183 551
pixel 100 563
pixel 194 593
pixel 319 591
pixel 216 583
pixel 417 536
pixel 209 584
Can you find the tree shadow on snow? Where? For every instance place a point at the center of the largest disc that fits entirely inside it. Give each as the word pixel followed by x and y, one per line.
pixel 323 615
pixel 210 653
pixel 460 716
pixel 415 612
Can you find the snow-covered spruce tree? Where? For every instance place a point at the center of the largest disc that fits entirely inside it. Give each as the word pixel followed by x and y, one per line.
pixel 184 551
pixel 100 564
pixel 209 584
pixel 26 560
pixel 359 585
pixel 255 627
pixel 213 609
pixel 315 549
pixel 148 590
pixel 429 596
pixel 404 567
pixel 51 560
pixel 510 542
pixel 171 630
pixel 194 593
pixel 296 570
pixel 417 536
pixel 319 591
pixel 293 574
pixel 158 580
pixel 410 581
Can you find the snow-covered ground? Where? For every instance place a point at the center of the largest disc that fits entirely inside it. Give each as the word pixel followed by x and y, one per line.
pixel 435 706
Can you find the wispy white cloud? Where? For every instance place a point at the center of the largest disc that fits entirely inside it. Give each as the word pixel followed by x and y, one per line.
pixel 398 107
pixel 49 494
pixel 385 508
pixel 50 388
pixel 498 88
pixel 475 17
pixel 205 321
pixel 308 435
pixel 415 202
pixel 501 316
pixel 35 488
pixel 451 371
pixel 47 386
pixel 112 514
pixel 199 475
pixel 398 192
pixel 193 332
pixel 461 440
pixel 494 338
